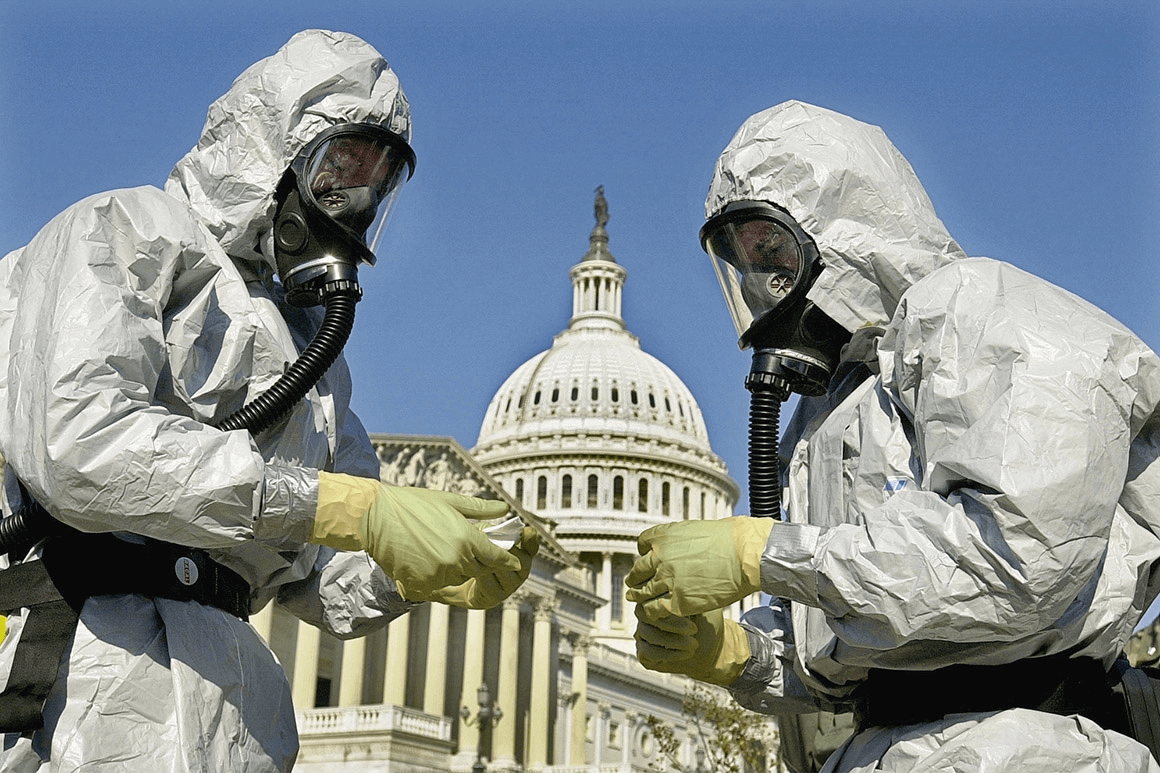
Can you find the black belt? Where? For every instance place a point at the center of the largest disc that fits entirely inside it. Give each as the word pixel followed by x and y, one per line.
pixel 75 566
pixel 1054 684
pixel 83 565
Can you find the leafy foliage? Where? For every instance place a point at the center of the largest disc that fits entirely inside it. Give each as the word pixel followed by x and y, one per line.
pixel 727 738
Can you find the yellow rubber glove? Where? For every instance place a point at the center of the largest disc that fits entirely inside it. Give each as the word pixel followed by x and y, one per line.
pixel 706 647
pixel 422 538
pixel 487 590
pixel 688 567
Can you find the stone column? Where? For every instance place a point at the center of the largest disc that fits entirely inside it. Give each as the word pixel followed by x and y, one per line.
pixel 350 683
pixel 579 739
pixel 395 681
pixel 629 737
pixel 263 622
pixel 603 712
pixel 503 739
pixel 537 753
pixel 436 683
pixel 604 589
pixel 305 683
pixel 473 645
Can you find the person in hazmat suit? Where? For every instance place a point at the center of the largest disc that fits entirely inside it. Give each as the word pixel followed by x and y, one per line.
pixel 971 478
pixel 141 335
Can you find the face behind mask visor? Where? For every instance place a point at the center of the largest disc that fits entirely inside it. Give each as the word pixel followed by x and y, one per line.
pixel 763 260
pixel 340 189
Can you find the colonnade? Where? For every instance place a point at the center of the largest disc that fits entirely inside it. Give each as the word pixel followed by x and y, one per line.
pixel 537 734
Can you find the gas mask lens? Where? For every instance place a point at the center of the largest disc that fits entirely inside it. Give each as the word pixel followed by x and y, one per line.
pixel 354 175
pixel 759 255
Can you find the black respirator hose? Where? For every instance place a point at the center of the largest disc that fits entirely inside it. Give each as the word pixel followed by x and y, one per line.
pixel 764 469
pixel 767 392
pixel 21 528
pixel 279 400
pixel 33 523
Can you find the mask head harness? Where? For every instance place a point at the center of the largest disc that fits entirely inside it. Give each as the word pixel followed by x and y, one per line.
pixel 766 265
pixel 339 189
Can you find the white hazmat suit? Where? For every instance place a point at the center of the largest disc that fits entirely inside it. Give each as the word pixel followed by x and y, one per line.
pixel 128 325
pixel 979 486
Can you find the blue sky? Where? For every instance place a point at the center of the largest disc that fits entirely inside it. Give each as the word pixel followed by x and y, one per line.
pixel 1033 124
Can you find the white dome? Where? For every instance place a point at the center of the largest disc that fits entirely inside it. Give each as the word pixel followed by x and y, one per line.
pixel 596 433
pixel 601 439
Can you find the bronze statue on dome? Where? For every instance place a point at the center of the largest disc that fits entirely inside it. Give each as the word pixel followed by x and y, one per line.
pixel 601 207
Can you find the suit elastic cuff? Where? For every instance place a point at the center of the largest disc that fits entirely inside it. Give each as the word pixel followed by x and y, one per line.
pixel 787 565
pixel 289 504
pixel 761 667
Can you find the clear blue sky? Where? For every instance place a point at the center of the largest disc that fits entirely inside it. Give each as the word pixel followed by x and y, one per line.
pixel 1035 126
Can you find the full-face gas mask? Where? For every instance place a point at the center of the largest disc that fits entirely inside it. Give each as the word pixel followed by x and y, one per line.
pixel 766 264
pixel 339 189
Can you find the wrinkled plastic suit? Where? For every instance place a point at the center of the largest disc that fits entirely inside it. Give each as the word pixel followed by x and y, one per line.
pixel 132 321
pixel 980 484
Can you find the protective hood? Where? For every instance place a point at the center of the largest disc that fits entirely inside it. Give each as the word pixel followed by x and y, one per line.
pixel 852 192
pixel 274 108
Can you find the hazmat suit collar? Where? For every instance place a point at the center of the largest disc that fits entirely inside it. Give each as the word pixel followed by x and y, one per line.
pixel 274 108
pixel 852 191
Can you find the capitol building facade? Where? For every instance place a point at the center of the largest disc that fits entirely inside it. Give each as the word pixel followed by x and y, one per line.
pixel 591 441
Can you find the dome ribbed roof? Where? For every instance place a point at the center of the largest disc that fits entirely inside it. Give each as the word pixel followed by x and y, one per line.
pixel 595 381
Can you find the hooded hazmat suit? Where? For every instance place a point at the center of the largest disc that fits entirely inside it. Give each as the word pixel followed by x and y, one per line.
pixel 980 485
pixel 132 321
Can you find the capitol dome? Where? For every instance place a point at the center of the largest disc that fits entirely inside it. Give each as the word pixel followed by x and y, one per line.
pixel 598 436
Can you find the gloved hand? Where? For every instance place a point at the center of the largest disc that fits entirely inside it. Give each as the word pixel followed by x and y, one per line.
pixel 422 538
pixel 687 567
pixel 706 647
pixel 487 590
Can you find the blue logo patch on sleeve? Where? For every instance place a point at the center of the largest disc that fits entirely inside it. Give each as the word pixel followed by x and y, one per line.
pixel 894 485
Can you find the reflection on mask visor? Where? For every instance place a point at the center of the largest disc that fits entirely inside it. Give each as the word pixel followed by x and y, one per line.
pixel 354 162
pixel 355 177
pixel 760 250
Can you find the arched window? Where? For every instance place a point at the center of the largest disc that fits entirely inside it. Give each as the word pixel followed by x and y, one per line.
pixel 555 394
pixel 665 498
pixel 575 393
pixel 593 490
pixel 520 490
pixel 541 493
pixel 685 503
pixel 642 496
pixel 566 491
pixel 618 493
